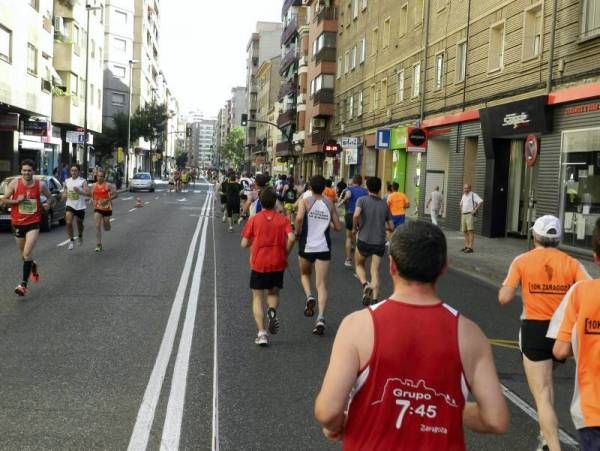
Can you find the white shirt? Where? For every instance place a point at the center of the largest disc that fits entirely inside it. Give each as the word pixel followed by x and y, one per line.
pixel 466 203
pixel 75 200
pixel 318 218
pixel 436 200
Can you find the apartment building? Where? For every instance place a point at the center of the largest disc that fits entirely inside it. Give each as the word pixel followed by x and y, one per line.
pixel 506 92
pixel 201 143
pixel 263 45
pixel 268 83
pixel 237 105
pixel 27 78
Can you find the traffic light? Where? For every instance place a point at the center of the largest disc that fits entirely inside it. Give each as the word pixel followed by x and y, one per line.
pixel 188 132
pixel 244 121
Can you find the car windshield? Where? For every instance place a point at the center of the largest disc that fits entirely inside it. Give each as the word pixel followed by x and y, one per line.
pixel 142 176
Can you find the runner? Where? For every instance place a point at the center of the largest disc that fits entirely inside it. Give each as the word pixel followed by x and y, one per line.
pixel 330 191
pixel 185 180
pixel 24 194
pixel 354 192
pixel 177 177
pixel 102 194
pixel 315 215
pixel 74 188
pixel 233 200
pixel 270 237
pixel 545 274
pixel 397 203
pixel 386 360
pixel 290 196
pixel 222 187
pixel 171 181
pixel 576 327
pixel 371 221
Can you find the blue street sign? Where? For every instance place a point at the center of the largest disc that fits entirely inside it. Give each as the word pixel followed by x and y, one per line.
pixel 383 138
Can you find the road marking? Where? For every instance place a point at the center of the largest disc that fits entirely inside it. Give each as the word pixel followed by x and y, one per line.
pixel 564 437
pixel 198 191
pixel 175 407
pixel 133 209
pixel 146 203
pixel 182 200
pixel 156 198
pixel 145 417
pixel 64 243
pixel 127 198
pixel 215 400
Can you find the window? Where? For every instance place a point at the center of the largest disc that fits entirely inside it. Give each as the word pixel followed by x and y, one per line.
pixel 120 19
pixel 386 33
pixel 359 104
pixel 75 34
pixel 92 94
pixel 416 81
pixel 325 40
pixel 363 4
pixel 496 49
pixel 355 9
pixel 363 50
pixel 384 92
pixel 73 84
pixel 461 61
pixel 439 71
pixel 32 63
pixel 419 10
pixel 120 45
pixel 373 98
pixel 324 81
pixel 350 106
pixel 403 26
pixel 5 44
pixel 400 96
pixel 34 4
pixel 339 67
pixel 99 97
pixel 374 41
pixel 92 48
pixel 119 71
pixel 346 61
pixel 532 32
pixel 590 18
pixel 353 58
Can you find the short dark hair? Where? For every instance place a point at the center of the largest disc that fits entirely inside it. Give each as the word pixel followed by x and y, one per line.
pixel 267 198
pixel 374 185
pixel 395 186
pixel 328 183
pixel 261 180
pixel 27 162
pixel 76 166
pixel 357 179
pixel 317 184
pixel 596 238
pixel 419 251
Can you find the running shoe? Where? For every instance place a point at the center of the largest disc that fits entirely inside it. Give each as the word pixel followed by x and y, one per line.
pixel 348 263
pixel 468 250
pixel 34 276
pixel 261 339
pixel 542 444
pixel 367 296
pixel 71 245
pixel 99 248
pixel 319 327
pixel 273 322
pixel 21 290
pixel 230 229
pixel 309 308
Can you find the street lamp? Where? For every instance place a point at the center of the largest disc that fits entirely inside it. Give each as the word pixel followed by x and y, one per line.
pixel 131 63
pixel 88 8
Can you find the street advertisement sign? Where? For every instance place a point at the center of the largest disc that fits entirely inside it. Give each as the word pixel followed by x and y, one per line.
pixel 349 142
pixel 383 138
pixel 398 138
pixel 416 140
pixel 351 156
pixel 74 137
pixel 37 128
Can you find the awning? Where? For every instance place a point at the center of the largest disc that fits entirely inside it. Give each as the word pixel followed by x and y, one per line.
pixel 56 80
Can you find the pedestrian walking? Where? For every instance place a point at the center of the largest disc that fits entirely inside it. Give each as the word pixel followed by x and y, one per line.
pixel 102 194
pixel 23 194
pixel 371 219
pixel 354 192
pixel 435 204
pixel 315 216
pixel 400 397
pixel 470 203
pixel 233 193
pixel 576 328
pixel 545 274
pixel 398 203
pixel 270 237
pixel 74 189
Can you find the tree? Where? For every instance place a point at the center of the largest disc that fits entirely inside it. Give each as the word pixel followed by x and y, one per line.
pixel 233 149
pixel 181 159
pixel 115 136
pixel 151 121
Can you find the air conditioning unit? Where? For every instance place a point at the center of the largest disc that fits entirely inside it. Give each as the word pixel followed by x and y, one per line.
pixel 301 99
pixel 318 122
pixel 59 26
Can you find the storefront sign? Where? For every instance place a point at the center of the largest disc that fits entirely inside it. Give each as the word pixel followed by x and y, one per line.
pixel 9 122
pixel 532 148
pixel 581 109
pixel 416 140
pixel 349 142
pixel 75 137
pixel 383 138
pixel 37 128
pixel 398 138
pixel 516 118
pixel 351 156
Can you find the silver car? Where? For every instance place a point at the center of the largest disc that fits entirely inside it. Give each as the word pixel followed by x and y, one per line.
pixel 142 181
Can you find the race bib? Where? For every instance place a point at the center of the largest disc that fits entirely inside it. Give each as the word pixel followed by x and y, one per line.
pixel 103 204
pixel 28 207
pixel 72 195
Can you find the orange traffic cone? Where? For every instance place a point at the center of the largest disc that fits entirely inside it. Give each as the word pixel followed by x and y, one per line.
pixel 138 203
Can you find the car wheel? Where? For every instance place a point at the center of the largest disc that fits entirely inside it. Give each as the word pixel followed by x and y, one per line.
pixel 151 190
pixel 46 224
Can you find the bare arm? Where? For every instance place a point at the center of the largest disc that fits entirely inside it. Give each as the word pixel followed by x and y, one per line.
pixel 300 215
pixel 506 295
pixel 562 350
pixel 113 192
pixel 246 243
pixel 356 218
pixel 46 192
pixel 291 239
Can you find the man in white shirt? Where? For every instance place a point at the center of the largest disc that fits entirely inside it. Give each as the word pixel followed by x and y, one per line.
pixel 74 187
pixel 435 204
pixel 470 203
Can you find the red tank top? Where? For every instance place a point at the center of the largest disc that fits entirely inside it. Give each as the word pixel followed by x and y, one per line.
pixel 411 394
pixel 29 211
pixel 101 195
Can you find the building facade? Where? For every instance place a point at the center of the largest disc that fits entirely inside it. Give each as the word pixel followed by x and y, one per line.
pixel 268 84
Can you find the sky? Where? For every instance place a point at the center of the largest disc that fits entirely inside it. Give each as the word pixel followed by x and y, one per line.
pixel 203 47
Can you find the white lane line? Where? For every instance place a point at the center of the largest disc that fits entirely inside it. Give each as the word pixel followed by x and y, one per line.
pixel 64 243
pixel 174 417
pixel 521 404
pixel 146 203
pixel 127 198
pixel 156 198
pixel 215 399
pixel 145 417
pixel 182 200
pixel 133 209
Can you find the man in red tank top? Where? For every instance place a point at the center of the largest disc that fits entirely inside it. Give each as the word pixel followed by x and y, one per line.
pixel 23 194
pixel 407 363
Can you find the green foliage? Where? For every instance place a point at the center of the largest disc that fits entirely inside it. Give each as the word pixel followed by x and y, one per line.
pixel 233 149
pixel 150 121
pixel 181 158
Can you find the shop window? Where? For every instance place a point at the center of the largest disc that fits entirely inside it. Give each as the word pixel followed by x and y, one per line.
pixel 532 32
pixel 590 18
pixel 580 185
pixel 32 60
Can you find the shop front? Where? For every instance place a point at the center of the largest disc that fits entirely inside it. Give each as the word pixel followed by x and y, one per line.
pixel 437 166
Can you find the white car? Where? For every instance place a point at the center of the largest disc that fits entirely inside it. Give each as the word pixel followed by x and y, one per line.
pixel 141 181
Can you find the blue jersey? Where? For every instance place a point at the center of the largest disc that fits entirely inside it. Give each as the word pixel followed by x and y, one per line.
pixel 356 193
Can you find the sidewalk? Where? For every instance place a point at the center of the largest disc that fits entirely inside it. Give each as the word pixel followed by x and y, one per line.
pixel 492 256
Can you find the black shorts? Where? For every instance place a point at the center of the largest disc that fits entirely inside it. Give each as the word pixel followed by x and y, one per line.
pixel 233 209
pixel 21 231
pixel 348 218
pixel 314 256
pixel 104 213
pixel 589 438
pixel 266 280
pixel 367 250
pixel 79 213
pixel 534 343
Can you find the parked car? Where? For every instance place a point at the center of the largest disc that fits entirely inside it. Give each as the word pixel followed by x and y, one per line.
pixel 49 216
pixel 142 181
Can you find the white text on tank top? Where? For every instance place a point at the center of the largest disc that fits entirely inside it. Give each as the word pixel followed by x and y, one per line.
pixel 318 218
pixel 75 200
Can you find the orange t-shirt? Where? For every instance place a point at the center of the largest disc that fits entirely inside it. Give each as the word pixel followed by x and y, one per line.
pixel 545 276
pixel 397 203
pixel 329 193
pixel 578 323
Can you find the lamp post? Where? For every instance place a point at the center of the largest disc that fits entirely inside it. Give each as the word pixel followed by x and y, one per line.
pixel 131 63
pixel 88 8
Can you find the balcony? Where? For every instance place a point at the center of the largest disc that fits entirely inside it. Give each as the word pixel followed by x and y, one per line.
pixel 284 149
pixel 289 31
pixel 287 117
pixel 288 88
pixel 319 136
pixel 326 54
pixel 288 4
pixel 323 96
pixel 326 13
pixel 290 58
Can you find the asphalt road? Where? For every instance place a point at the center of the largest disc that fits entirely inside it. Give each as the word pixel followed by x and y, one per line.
pixel 117 350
